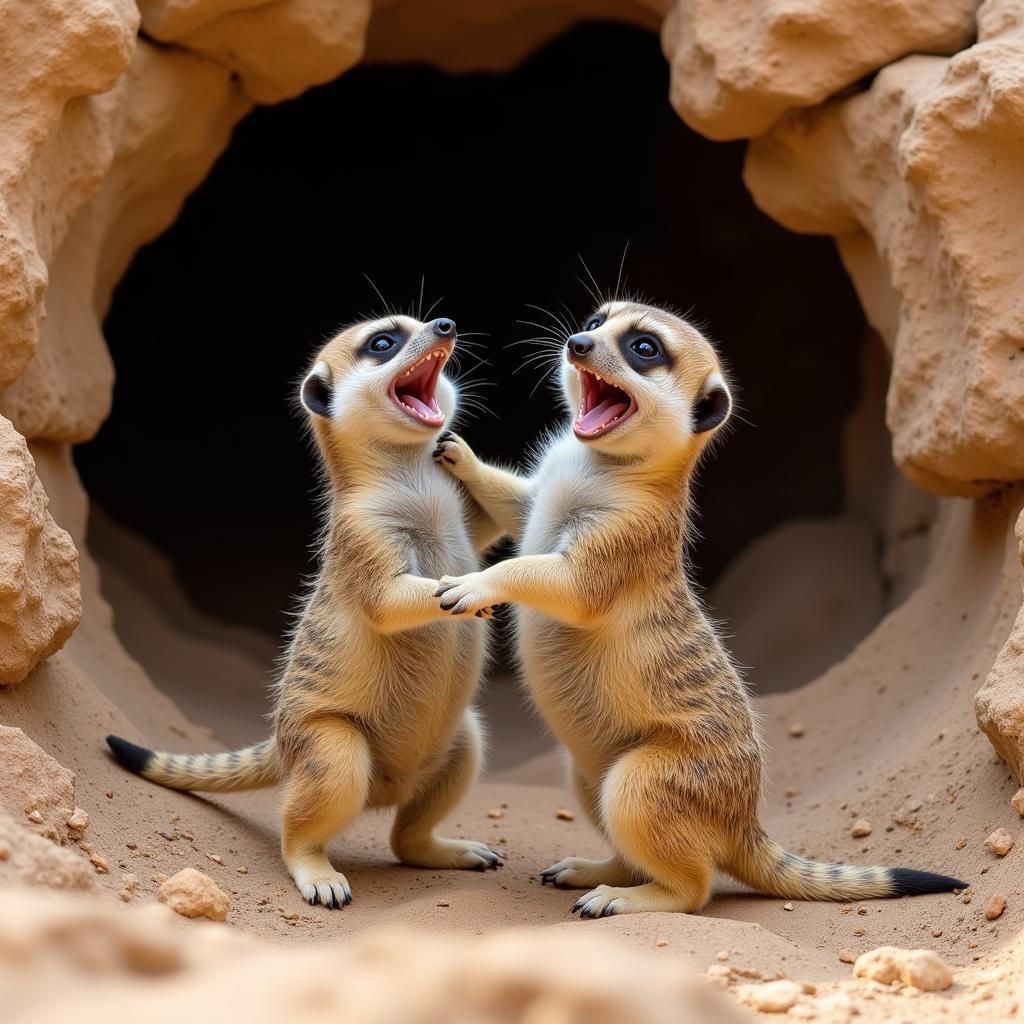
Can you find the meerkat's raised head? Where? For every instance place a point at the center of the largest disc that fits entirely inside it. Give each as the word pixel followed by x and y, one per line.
pixel 381 380
pixel 642 382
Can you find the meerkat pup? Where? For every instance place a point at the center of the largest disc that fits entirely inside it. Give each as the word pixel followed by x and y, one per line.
pixel 616 650
pixel 373 702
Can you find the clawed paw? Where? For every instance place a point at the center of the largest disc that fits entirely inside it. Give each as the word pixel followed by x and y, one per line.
pixel 604 901
pixel 451 452
pixel 471 594
pixel 329 890
pixel 464 854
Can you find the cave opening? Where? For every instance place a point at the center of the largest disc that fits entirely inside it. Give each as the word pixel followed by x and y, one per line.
pixel 490 187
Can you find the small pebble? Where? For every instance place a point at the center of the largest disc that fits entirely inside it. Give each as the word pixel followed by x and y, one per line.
pixel 861 828
pixel 216 858
pixel 722 954
pixel 242 871
pixel 443 903
pixel 796 729
pixel 5 850
pixel 960 843
pixel 661 944
pixel 995 907
pixel 1000 842
pixel 787 906
pixel 79 820
pixel 1017 801
pixel 495 812
pixel 774 996
pixel 35 817
pixel 564 814
pixel 847 956
pixel 858 932
pixel 99 863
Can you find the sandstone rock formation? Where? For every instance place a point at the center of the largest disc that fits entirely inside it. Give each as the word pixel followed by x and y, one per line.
pixel 737 66
pixel 40 603
pixel 35 788
pixel 1000 702
pixel 917 178
pixel 193 894
pixel 95 960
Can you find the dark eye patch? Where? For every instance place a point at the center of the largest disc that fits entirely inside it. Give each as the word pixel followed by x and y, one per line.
pixel 643 350
pixel 375 347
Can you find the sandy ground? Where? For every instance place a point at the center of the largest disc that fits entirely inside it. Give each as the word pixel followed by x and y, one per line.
pixel 888 735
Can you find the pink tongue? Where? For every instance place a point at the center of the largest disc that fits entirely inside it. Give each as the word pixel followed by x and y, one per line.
pixel 414 403
pixel 601 414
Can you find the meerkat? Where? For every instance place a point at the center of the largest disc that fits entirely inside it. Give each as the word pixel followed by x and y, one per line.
pixel 373 703
pixel 615 648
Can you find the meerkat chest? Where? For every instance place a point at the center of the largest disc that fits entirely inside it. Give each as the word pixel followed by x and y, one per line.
pixel 422 513
pixel 570 497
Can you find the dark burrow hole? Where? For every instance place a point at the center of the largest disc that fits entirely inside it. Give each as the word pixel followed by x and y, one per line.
pixel 490 186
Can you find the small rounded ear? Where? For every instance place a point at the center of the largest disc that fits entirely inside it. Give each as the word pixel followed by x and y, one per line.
pixel 712 409
pixel 316 390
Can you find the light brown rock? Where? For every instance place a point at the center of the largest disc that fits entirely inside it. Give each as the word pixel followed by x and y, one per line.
pixel 999 704
pixel 999 842
pixel 40 600
pixel 314 41
pixel 915 177
pixel 34 787
pixel 922 968
pixel 774 996
pixel 193 894
pixel 860 829
pixel 1017 801
pixel 29 859
pixel 995 907
pixel 79 820
pixel 738 65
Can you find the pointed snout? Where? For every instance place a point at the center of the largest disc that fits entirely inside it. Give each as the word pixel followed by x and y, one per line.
pixel 580 345
pixel 443 327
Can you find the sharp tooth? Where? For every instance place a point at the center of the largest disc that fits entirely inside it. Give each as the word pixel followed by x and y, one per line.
pixel 598 376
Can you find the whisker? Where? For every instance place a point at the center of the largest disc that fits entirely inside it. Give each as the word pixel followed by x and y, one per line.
pixel 388 308
pixel 622 263
pixel 595 292
pixel 433 306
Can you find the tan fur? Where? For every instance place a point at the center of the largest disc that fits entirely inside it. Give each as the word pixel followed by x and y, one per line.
pixel 618 654
pixel 373 701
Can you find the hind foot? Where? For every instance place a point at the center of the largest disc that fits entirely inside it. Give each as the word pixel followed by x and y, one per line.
pixel 464 854
pixel 580 873
pixel 329 888
pixel 608 900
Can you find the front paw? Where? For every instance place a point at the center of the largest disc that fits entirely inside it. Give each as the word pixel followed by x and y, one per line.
pixel 454 455
pixel 472 594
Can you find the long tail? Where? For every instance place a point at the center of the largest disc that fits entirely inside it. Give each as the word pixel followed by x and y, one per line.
pixel 764 865
pixel 254 767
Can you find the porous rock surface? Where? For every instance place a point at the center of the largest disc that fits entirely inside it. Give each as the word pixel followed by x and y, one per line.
pixel 918 177
pixel 28 859
pixel 193 894
pixel 93 958
pixel 40 600
pixel 34 787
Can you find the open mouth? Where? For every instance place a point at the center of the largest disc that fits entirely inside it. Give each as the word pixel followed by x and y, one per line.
pixel 604 406
pixel 414 391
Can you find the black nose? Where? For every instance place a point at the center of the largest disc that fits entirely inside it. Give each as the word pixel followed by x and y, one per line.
pixel 581 344
pixel 444 328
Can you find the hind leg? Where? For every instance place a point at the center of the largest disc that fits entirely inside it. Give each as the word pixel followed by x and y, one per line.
pixel 652 825
pixel 326 789
pixel 412 837
pixel 582 872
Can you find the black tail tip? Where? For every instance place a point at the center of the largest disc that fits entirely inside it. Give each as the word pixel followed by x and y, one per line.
pixel 908 882
pixel 133 757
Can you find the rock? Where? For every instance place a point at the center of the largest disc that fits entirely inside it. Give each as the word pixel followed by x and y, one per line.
pixel 314 41
pixel 796 730
pixel 564 814
pixel 999 704
pixel 774 996
pixel 738 65
pixel 893 172
pixel 999 842
pixel 495 812
pixel 29 859
pixel 35 787
pixel 861 828
pixel 40 599
pixel 1017 801
pixel 922 968
pixel 847 956
pixel 193 894
pixel 79 820
pixel 995 907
